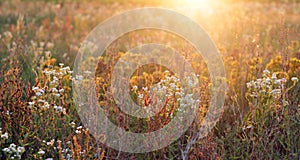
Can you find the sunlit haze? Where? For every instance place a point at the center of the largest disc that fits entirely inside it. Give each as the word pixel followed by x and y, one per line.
pixel 193 8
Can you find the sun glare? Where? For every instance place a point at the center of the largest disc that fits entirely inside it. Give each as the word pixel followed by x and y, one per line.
pixel 194 8
pixel 196 2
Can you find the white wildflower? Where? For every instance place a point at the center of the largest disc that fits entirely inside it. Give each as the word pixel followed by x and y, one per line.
pixel 276 91
pixel 278 81
pixel 46 106
pixel 72 124
pixel 12 146
pixel 249 84
pixel 31 103
pixel 87 72
pixel 21 149
pixel 59 108
pixel 141 96
pixel 274 77
pixel 55 78
pixel 268 80
pixel 35 88
pixel 134 88
pixel 54 90
pixel 77 131
pixel 65 69
pixel 294 79
pixel 173 85
pixel 6 150
pixel 41 152
pixel 57 95
pixel 41 100
pixel 50 143
pixel 61 90
pixel 266 71
pixel 38 94
pixel 5 135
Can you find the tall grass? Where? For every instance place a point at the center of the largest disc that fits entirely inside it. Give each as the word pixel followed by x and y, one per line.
pixel 38 44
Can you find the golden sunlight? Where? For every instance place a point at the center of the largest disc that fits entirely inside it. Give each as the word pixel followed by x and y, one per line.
pixel 196 2
pixel 194 8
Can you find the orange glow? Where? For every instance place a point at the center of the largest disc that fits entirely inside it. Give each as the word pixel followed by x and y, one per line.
pixel 194 8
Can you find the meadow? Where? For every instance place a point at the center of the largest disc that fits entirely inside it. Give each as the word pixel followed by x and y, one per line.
pixel 260 46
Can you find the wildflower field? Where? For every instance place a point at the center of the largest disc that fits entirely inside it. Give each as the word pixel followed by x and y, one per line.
pixel 259 42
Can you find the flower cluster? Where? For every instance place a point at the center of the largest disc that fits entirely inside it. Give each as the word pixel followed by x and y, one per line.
pixel 269 86
pixel 48 96
pixel 3 136
pixel 171 87
pixel 79 129
pixel 14 151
